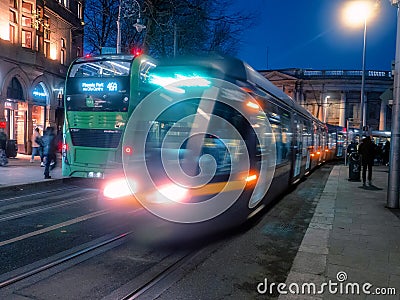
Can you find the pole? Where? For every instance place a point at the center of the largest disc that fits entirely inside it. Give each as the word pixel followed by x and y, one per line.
pixel 175 40
pixel 362 100
pixel 394 163
pixel 119 29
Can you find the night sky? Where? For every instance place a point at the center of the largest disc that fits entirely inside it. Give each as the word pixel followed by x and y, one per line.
pixel 310 34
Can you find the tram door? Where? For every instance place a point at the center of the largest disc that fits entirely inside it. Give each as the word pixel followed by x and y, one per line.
pixel 298 149
pixel 307 143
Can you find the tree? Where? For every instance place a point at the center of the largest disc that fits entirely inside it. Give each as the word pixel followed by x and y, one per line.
pixel 196 26
pixel 100 24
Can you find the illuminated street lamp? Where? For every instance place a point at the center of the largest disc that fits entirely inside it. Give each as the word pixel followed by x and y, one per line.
pixel 356 13
pixel 138 25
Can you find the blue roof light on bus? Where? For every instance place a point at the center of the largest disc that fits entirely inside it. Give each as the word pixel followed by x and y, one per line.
pixel 178 81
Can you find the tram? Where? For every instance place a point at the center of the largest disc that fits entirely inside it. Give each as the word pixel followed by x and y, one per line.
pixel 215 140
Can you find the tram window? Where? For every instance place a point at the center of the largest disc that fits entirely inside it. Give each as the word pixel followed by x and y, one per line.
pixel 280 124
pixel 175 131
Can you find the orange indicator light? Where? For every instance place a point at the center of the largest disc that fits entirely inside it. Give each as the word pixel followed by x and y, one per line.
pixel 251 178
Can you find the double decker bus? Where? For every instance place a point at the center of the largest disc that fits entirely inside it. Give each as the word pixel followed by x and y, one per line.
pixel 100 94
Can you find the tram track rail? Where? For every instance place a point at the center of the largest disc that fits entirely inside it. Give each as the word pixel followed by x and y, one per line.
pixel 20 277
pixel 31 211
pixel 53 191
pixel 162 275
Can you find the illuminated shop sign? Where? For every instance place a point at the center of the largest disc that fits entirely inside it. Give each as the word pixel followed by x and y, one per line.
pixel 99 87
pixel 10 105
pixel 39 95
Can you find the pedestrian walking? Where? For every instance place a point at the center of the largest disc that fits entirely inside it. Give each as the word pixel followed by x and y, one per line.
pixel 49 150
pixel 3 143
pixel 37 146
pixel 367 151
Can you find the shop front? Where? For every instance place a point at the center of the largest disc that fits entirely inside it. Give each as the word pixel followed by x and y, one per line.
pixel 16 114
pixel 39 106
pixel 39 112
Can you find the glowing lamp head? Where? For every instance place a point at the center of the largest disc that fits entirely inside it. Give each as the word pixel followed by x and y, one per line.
pixel 355 13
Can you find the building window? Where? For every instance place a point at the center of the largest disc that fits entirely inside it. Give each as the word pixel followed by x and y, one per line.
pixel 26 39
pixel 13 17
pixel 46 25
pixel 12 34
pixel 62 56
pixel 46 48
pixel 26 21
pixel 80 11
pixel 14 90
pixel 63 52
pixel 27 7
pixel 14 4
pixel 63 2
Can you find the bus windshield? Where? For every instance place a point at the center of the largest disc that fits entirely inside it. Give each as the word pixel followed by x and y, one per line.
pixel 101 68
pixel 98 85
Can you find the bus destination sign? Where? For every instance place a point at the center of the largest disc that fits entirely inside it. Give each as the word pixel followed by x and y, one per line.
pixel 99 87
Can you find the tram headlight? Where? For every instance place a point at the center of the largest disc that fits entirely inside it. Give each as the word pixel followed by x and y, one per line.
pixel 168 193
pixel 119 188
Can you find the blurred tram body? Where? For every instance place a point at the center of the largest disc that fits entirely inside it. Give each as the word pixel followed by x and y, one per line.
pixel 300 142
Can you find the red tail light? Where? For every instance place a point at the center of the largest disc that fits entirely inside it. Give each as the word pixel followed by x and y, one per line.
pixel 128 150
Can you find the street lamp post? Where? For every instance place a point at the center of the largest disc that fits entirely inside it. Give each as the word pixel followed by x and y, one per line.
pixel 138 25
pixel 355 13
pixel 394 158
pixel 362 100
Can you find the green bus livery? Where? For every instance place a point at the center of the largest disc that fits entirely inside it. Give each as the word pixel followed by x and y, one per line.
pixel 100 94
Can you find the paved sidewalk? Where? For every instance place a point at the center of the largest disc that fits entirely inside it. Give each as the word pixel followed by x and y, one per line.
pixel 352 238
pixel 21 171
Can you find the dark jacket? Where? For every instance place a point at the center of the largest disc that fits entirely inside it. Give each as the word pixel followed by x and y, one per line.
pixel 49 142
pixel 352 147
pixel 367 150
pixel 3 140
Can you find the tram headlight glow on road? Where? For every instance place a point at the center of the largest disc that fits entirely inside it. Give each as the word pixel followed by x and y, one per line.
pixel 119 188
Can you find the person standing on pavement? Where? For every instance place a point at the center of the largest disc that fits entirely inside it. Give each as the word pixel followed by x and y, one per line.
pixel 3 143
pixel 49 150
pixel 367 151
pixel 37 146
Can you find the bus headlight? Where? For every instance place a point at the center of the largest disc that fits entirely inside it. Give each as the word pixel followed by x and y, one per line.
pixel 95 175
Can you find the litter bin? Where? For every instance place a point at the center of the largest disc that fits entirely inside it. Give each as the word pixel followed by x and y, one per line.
pixel 354 166
pixel 11 148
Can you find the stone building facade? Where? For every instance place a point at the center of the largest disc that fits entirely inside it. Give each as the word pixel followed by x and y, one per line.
pixel 38 40
pixel 334 96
